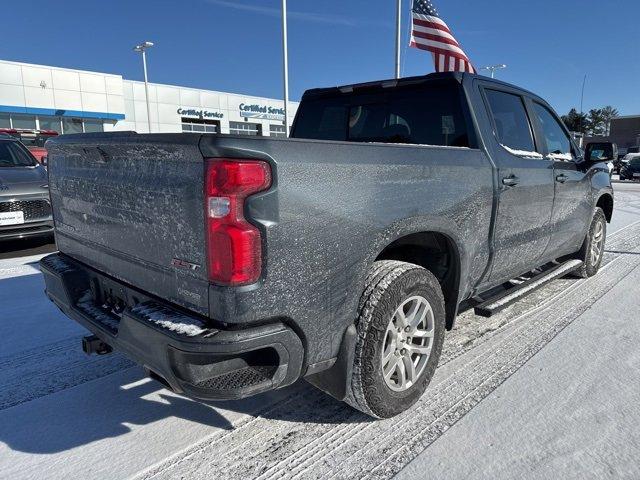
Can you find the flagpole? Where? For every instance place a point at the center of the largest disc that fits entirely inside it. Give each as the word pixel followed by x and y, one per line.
pixel 285 60
pixel 398 35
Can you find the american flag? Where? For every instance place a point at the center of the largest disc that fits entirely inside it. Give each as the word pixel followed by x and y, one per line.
pixel 429 32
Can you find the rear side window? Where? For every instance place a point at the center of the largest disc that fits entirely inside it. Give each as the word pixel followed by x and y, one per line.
pixel 557 141
pixel 12 155
pixel 512 123
pixel 429 115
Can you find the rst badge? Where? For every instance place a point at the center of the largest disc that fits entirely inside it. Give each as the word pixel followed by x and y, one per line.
pixel 184 265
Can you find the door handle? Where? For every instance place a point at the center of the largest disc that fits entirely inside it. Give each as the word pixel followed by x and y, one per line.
pixel 510 181
pixel 561 178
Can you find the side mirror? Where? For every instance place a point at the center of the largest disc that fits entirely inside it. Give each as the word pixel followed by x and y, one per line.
pixel 600 152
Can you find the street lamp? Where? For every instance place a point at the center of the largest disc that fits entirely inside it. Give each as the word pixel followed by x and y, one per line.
pixel 493 68
pixel 142 48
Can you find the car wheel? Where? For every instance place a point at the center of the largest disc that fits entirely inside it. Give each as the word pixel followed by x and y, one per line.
pixel 592 249
pixel 401 326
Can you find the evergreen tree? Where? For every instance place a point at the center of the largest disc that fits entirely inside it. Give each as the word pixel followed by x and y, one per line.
pixel 575 122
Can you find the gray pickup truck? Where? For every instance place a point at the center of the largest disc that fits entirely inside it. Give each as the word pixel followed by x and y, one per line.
pixel 231 265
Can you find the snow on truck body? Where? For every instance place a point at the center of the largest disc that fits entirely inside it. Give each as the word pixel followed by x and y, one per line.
pixel 231 265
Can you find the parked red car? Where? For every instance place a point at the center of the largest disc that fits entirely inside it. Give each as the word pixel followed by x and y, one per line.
pixel 32 139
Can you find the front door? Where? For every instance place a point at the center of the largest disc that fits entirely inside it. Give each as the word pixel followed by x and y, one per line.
pixel 572 208
pixel 522 230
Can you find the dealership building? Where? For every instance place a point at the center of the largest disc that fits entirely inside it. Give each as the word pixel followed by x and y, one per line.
pixel 74 101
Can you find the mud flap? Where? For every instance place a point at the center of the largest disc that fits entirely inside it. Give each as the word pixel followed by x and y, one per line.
pixel 336 379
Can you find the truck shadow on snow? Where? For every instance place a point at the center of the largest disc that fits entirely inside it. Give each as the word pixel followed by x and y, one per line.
pixel 116 405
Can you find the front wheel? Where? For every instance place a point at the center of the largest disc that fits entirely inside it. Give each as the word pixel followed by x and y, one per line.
pixel 401 326
pixel 592 249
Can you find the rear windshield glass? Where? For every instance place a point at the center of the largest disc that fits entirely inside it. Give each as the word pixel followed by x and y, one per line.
pixel 427 115
pixel 13 155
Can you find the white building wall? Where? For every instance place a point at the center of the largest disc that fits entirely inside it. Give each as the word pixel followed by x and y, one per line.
pixel 165 100
pixel 37 89
pixel 46 91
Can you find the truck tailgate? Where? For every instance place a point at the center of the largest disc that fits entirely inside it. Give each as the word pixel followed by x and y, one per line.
pixel 131 206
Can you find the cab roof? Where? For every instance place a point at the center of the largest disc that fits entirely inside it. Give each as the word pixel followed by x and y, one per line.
pixel 457 77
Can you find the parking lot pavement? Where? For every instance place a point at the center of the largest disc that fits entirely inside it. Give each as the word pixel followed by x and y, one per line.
pixel 64 415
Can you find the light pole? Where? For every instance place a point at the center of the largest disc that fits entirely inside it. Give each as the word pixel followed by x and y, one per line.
pixel 493 68
pixel 142 48
pixel 398 35
pixel 285 67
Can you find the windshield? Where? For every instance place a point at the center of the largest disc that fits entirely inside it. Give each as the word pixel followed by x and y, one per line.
pixel 635 162
pixel 429 114
pixel 12 154
pixel 34 140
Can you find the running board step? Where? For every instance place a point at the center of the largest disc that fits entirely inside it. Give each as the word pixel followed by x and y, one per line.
pixel 504 299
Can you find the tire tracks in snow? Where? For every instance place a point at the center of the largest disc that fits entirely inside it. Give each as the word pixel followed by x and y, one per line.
pixel 40 371
pixel 313 436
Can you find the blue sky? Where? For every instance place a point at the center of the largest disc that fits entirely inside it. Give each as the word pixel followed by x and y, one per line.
pixel 234 46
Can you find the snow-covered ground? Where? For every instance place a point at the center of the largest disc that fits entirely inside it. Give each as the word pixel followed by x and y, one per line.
pixel 548 388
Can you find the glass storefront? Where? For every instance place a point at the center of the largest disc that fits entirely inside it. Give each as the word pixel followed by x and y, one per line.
pixel 277 131
pixel 93 125
pixel 48 122
pixel 197 125
pixel 23 121
pixel 245 128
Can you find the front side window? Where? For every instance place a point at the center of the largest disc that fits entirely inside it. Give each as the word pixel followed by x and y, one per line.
pixel 426 115
pixel 512 123
pixel 13 155
pixel 556 140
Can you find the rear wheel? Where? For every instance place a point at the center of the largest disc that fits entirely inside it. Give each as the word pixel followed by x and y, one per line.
pixel 400 335
pixel 592 249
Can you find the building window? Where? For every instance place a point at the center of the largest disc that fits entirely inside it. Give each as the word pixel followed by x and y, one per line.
pixel 71 125
pixel 5 120
pixel 50 123
pixel 91 125
pixel 23 121
pixel 200 125
pixel 245 128
pixel 277 131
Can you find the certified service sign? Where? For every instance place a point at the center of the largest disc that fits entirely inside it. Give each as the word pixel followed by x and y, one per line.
pixel 192 112
pixel 261 111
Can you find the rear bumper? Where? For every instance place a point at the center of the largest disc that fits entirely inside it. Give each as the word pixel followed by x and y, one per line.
pixel 188 355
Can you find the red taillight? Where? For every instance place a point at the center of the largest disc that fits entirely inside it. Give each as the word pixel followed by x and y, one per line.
pixel 234 246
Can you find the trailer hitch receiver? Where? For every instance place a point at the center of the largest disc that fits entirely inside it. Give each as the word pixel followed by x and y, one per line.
pixel 92 344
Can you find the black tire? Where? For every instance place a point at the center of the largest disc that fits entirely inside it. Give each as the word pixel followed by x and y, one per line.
pixel 590 265
pixel 388 285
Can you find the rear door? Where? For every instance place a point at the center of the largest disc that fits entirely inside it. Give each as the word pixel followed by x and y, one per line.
pixel 572 209
pixel 525 182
